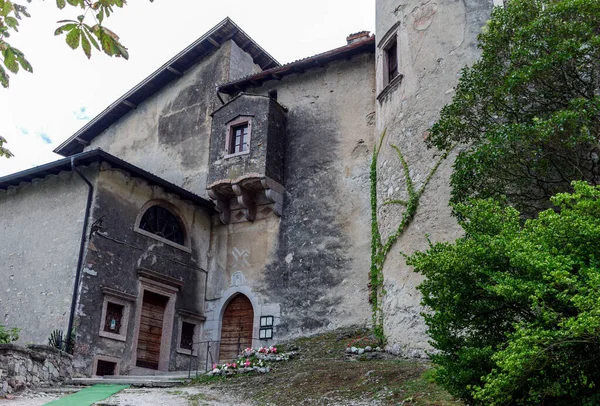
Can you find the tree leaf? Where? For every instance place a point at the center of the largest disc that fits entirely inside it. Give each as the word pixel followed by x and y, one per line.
pixel 6 8
pixel 87 48
pixel 63 28
pixel 12 22
pixel 10 61
pixel 73 37
pixel 87 31
pixel 3 77
pixel 60 4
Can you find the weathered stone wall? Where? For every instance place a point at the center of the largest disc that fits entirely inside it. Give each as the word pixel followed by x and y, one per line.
pixel 173 126
pixel 116 253
pixel 40 228
pixel 310 268
pixel 34 366
pixel 435 38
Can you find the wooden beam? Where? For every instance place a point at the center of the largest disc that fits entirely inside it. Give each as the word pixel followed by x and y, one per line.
pixel 129 104
pixel 174 71
pixel 82 141
pixel 215 43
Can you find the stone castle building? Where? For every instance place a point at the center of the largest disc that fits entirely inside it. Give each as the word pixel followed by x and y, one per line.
pixel 224 201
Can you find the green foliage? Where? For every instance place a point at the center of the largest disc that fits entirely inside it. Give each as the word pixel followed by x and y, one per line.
pixel 78 33
pixel 515 314
pixel 379 249
pixel 528 112
pixel 3 151
pixel 8 335
pixel 57 340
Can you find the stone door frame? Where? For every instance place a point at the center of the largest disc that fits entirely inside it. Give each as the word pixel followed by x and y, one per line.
pixel 169 318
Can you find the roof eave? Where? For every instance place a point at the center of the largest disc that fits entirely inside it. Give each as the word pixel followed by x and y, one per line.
pixel 167 73
pixel 97 155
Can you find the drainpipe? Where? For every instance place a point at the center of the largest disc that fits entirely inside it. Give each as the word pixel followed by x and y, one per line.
pixel 88 207
pixel 219 96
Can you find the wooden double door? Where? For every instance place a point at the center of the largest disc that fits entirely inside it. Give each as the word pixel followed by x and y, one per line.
pixel 236 328
pixel 151 330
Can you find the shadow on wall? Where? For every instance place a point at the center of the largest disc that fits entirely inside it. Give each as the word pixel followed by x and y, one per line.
pixel 312 250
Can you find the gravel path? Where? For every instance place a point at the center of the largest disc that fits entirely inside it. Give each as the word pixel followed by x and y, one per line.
pixel 181 396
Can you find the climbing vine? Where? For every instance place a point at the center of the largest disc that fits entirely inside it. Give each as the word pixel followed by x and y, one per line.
pixel 379 249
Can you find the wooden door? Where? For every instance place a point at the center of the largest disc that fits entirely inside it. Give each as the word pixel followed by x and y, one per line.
pixel 236 329
pixel 150 333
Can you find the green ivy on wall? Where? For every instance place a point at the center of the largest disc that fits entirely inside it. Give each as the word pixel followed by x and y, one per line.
pixel 379 249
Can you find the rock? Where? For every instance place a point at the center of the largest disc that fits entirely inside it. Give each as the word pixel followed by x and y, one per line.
pixel 368 348
pixel 349 350
pixel 354 350
pixel 361 351
pixel 378 349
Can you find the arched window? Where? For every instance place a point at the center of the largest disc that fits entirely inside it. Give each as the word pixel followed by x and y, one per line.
pixel 161 222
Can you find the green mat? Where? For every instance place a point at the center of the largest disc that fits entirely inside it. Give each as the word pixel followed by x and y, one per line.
pixel 87 396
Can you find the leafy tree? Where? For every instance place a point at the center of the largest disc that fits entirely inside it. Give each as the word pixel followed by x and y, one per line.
pixel 528 112
pixel 515 314
pixel 78 32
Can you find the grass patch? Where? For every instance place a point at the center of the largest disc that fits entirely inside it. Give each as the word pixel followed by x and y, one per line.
pixel 325 374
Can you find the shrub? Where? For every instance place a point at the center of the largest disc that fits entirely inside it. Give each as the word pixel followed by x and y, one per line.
pixel 515 309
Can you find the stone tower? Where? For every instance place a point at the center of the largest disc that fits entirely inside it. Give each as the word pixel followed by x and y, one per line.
pixel 421 47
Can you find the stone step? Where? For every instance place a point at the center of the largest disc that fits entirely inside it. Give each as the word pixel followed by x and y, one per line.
pixel 136 381
pixel 172 376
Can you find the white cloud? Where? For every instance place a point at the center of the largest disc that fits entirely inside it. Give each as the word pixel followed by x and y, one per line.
pixel 66 89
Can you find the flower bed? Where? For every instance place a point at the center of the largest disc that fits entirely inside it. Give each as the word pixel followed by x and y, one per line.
pixel 251 360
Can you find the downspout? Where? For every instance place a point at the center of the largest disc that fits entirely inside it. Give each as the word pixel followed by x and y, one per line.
pixel 88 207
pixel 219 96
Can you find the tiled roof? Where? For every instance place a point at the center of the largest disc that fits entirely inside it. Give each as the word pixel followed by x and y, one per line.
pixel 299 66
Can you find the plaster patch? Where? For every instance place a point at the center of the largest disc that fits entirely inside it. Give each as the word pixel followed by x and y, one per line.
pixel 423 16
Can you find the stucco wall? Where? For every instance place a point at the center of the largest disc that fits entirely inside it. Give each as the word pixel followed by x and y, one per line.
pixel 117 252
pixel 317 258
pixel 40 228
pixel 173 126
pixel 435 40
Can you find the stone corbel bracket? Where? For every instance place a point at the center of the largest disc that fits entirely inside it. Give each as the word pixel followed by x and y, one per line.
pixel 247 200
pixel 247 191
pixel 274 192
pixel 222 206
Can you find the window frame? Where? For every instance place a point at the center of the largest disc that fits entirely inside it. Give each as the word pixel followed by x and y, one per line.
pixel 387 52
pixel 231 126
pixel 385 83
pixel 196 335
pixel 121 299
pixel 106 358
pixel 178 216
pixel 267 325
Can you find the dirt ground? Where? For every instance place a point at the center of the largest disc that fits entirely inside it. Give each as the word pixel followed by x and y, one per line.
pixel 323 374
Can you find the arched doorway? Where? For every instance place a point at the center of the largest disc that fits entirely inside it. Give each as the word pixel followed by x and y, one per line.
pixel 236 328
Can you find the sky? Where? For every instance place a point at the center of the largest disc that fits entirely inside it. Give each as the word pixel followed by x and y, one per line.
pixel 41 110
